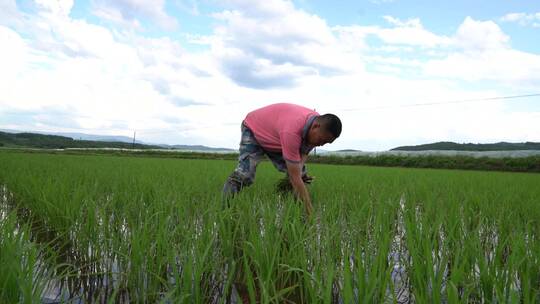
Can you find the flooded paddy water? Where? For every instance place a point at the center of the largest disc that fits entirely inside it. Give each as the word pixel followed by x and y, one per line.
pixel 101 230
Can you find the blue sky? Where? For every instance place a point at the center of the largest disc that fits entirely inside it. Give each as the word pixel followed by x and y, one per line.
pixel 187 72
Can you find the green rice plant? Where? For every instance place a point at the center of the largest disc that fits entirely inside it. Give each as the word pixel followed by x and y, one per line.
pixel 23 278
pixel 141 229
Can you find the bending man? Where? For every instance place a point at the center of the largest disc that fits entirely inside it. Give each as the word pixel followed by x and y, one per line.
pixel 285 133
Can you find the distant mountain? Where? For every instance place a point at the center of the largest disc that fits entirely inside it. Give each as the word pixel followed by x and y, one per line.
pixel 447 145
pixel 82 136
pixel 12 138
pixel 348 150
pixel 35 140
pixel 111 138
pixel 197 148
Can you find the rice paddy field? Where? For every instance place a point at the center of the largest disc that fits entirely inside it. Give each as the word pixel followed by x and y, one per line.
pixel 106 229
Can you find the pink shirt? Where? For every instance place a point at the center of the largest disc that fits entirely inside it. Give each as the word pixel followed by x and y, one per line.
pixel 281 127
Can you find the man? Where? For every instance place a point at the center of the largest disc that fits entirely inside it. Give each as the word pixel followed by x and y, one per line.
pixel 286 133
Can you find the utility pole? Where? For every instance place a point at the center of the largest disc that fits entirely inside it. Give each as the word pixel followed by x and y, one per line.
pixel 133 145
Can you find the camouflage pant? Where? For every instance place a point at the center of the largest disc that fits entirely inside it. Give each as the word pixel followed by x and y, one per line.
pixel 251 153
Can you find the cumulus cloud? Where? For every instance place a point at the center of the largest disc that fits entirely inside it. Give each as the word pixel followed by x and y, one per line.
pixel 249 71
pixel 503 65
pixel 473 35
pixel 399 48
pixel 41 119
pixel 267 44
pixel 484 53
pixel 106 80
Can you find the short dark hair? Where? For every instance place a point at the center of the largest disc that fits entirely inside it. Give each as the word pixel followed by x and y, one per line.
pixel 331 123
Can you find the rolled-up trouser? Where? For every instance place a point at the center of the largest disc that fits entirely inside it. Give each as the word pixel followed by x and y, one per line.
pixel 251 153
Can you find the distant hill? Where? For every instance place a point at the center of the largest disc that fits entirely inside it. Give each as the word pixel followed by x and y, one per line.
pixel 82 136
pixel 109 138
pixel 447 145
pixel 197 148
pixel 34 140
pixel 348 150
pixel 79 140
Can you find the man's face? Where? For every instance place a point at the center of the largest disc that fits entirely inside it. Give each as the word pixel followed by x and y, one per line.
pixel 318 136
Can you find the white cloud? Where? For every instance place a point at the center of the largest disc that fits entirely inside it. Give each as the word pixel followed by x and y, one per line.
pixel 14 54
pixel 130 12
pixel 9 14
pixel 503 65
pixel 414 23
pixel 115 16
pixel 72 65
pixel 272 44
pixel 485 54
pixel 409 32
pixel 523 19
pixel 473 35
pixel 56 7
pixel 513 17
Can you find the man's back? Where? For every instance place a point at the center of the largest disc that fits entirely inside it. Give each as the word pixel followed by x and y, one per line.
pixel 279 126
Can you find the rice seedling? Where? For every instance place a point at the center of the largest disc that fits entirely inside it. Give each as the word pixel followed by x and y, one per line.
pixel 135 229
pixel 23 277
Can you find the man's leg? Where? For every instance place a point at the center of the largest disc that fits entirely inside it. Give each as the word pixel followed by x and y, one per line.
pixel 244 174
pixel 251 154
pixel 279 162
pixel 283 185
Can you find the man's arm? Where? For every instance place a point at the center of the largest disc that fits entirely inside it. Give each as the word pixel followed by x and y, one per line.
pixel 295 177
pixel 306 178
pixel 304 158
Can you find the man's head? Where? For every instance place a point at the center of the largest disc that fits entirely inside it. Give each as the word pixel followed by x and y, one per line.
pixel 324 129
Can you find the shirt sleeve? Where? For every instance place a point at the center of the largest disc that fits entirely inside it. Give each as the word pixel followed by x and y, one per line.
pixel 290 146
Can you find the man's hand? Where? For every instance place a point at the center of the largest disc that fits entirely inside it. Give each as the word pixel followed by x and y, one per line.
pixel 307 179
pixel 295 176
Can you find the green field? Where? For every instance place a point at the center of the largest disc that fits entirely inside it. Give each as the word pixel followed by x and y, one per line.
pixel 136 229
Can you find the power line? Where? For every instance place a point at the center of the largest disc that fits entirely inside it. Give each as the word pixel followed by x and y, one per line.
pixel 367 109
pixel 443 102
pixel 181 130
